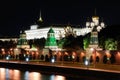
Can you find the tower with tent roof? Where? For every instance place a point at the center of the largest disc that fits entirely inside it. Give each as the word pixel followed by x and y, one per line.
pixel 51 40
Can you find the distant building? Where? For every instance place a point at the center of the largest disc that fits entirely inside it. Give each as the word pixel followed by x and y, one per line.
pixel 9 39
pixel 39 30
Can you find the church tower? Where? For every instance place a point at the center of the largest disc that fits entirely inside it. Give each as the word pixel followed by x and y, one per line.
pixel 51 40
pixel 95 26
pixel 94 34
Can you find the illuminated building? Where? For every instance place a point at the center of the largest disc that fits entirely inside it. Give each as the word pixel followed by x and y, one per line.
pixel 22 41
pixel 51 40
pixel 93 47
pixel 95 27
pixel 50 43
pixel 37 31
pixel 9 39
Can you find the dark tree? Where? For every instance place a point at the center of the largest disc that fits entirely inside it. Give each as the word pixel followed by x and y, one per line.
pixel 105 59
pixel 46 58
pixel 37 42
pixel 65 57
pixel 97 59
pixel 42 57
pixel 83 58
pixel 112 59
pixel 72 42
pixel 91 59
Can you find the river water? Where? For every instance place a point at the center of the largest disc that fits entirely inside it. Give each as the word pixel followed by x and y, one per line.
pixel 19 74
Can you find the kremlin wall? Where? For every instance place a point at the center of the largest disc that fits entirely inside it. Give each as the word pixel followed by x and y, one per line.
pixel 93 53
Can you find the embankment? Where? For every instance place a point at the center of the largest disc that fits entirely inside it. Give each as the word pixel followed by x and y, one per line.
pixel 56 69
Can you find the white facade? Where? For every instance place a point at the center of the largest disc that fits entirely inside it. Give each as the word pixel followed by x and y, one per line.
pixel 37 33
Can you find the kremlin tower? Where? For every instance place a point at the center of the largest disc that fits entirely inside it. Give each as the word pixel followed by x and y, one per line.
pixel 51 40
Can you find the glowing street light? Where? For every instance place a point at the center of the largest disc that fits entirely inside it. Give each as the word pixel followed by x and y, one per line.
pixel 53 60
pixel 87 63
pixel 7 58
pixel 27 59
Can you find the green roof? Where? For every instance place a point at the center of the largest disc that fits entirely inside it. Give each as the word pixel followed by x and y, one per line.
pixel 51 30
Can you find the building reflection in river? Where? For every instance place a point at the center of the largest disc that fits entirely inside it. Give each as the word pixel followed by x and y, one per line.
pixel 14 74
pixel 6 74
pixel 57 77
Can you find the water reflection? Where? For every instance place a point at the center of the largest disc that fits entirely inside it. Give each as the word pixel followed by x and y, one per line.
pixel 6 74
pixel 34 76
pixel 57 77
pixel 2 74
pixel 14 74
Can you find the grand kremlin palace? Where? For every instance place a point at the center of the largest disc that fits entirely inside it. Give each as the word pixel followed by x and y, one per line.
pixel 36 33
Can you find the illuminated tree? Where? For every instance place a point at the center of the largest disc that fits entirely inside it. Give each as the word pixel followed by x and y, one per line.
pixel 86 41
pixel 61 42
pixel 110 44
pixel 71 40
pixel 69 31
pixel 112 59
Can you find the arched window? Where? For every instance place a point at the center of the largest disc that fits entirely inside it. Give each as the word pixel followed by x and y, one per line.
pixel 97 59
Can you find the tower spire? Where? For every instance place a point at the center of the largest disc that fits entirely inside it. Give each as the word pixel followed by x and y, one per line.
pixel 40 18
pixel 95 12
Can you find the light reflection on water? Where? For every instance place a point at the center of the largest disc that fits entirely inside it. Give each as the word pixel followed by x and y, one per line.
pixel 14 74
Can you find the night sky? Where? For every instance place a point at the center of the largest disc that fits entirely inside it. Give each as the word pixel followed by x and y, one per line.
pixel 19 15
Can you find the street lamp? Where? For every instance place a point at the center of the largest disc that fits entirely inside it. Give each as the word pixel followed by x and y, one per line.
pixel 87 62
pixel 91 51
pixel 27 59
pixel 53 59
pixel 7 58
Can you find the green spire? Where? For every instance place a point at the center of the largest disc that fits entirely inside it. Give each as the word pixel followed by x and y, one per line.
pixel 51 30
